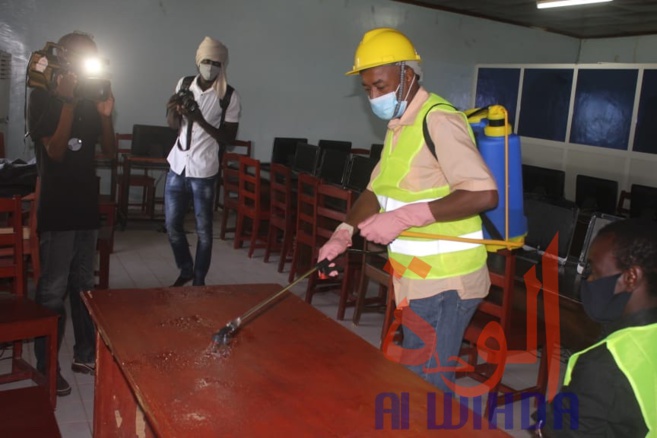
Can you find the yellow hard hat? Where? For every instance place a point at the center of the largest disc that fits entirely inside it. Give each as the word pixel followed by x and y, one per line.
pixel 382 46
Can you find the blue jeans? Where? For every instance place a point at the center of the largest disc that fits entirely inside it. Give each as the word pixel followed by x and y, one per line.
pixel 449 316
pixel 179 192
pixel 67 268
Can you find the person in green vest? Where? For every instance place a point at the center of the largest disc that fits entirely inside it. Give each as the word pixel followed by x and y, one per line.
pixel 440 281
pixel 610 388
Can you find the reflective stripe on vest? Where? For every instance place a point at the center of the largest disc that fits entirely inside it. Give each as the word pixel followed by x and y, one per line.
pixel 422 258
pixel 635 351
pixel 425 247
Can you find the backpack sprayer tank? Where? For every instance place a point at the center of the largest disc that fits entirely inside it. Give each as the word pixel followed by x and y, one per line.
pixel 506 165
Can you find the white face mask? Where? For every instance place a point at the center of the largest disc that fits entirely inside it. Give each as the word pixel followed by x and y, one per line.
pixel 209 72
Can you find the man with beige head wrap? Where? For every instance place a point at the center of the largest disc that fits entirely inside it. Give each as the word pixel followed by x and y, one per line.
pixel 206 111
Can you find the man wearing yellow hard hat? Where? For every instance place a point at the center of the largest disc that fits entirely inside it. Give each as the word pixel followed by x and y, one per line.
pixel 410 189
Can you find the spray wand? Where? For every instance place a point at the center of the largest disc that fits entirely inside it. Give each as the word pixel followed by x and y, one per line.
pixel 224 335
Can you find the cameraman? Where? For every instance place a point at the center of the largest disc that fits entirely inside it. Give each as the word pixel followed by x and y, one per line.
pixel 65 129
pixel 206 110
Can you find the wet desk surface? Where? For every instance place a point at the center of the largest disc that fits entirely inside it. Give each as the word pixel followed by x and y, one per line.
pixel 291 371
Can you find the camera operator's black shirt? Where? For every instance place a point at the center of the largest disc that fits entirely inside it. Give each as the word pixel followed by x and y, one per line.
pixel 69 189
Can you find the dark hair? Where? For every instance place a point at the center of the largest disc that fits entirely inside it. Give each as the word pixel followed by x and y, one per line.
pixel 635 244
pixel 73 37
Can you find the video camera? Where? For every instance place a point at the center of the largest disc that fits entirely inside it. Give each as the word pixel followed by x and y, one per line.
pixel 44 66
pixel 185 98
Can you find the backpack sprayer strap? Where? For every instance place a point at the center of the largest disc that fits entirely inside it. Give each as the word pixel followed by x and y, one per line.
pixel 488 224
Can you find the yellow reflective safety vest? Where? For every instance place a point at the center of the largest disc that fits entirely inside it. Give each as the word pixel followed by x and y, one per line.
pixel 635 351
pixel 424 258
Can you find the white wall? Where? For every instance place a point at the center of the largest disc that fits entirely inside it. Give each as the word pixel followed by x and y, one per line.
pixel 287 57
pixel 629 49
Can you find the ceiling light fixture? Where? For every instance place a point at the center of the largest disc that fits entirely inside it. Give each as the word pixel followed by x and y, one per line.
pixel 544 4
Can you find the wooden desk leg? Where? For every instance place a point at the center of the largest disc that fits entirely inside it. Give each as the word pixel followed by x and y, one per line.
pixel 116 411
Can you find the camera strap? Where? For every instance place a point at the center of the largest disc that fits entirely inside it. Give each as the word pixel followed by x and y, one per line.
pixel 223 104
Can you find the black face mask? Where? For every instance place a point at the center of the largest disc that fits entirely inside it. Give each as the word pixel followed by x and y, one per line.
pixel 600 302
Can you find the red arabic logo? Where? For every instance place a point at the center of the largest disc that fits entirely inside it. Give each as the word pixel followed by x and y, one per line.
pixel 491 344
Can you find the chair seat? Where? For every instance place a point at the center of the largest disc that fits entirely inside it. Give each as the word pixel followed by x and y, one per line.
pixel 19 309
pixel 27 412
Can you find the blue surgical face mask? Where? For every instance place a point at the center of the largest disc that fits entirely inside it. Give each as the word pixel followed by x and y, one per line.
pixel 384 106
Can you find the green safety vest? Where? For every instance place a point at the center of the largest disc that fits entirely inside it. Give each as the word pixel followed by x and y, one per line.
pixel 424 258
pixel 635 351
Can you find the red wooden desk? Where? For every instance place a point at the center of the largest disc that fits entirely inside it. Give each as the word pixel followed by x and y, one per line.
pixel 290 372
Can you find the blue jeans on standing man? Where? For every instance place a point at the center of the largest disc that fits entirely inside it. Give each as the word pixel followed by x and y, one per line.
pixel 449 316
pixel 179 192
pixel 67 268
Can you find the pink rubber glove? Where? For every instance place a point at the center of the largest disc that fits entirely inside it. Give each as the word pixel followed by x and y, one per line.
pixel 338 243
pixel 383 228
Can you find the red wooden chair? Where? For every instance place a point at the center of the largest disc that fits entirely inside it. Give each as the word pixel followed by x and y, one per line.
pixel 230 182
pixel 105 242
pixel 373 268
pixel 304 237
pixel 499 307
pixel 283 215
pixel 332 205
pixel 238 147
pixel 30 239
pixel 20 317
pixel 253 205
pixel 145 181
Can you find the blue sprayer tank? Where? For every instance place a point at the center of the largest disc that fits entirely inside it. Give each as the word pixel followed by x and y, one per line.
pixel 490 141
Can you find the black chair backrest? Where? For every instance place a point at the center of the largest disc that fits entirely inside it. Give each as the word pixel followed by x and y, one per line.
pixel 545 219
pixel 596 194
pixel 597 222
pixel 284 149
pixel 358 172
pixel 335 144
pixel 306 158
pixel 152 141
pixel 541 182
pixel 643 202
pixel 375 151
pixel 332 166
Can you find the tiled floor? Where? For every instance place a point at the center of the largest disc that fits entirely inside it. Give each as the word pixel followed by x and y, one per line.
pixel 143 259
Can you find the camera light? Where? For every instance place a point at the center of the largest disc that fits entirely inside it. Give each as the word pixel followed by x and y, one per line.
pixel 93 65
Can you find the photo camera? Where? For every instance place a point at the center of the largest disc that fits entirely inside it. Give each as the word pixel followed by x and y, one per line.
pixel 185 98
pixel 45 66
